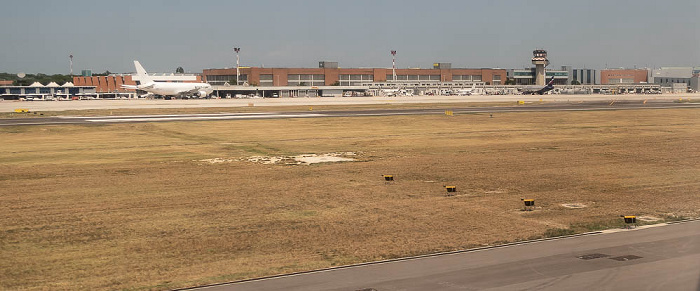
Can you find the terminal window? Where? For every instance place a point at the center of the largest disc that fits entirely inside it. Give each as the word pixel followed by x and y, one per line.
pixel 306 79
pixel 219 80
pixel 413 77
pixel 266 80
pixel 354 79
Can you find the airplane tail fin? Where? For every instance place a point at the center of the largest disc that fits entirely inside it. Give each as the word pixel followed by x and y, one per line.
pixel 141 73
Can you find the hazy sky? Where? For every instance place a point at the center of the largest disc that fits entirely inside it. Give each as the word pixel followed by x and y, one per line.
pixel 38 36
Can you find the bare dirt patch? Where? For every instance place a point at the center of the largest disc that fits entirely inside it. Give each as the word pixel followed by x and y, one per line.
pixel 305 159
pixel 648 218
pixel 574 205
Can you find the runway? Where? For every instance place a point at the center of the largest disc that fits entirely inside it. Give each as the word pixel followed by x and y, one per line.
pixel 654 258
pixel 552 106
pixel 106 104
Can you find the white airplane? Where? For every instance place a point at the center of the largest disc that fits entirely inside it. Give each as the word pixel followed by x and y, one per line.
pixel 467 92
pixel 390 92
pixel 397 92
pixel 166 88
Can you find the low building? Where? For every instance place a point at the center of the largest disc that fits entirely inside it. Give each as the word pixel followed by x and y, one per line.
pixel 584 76
pixel 38 91
pixel 667 76
pixel 624 76
pixel 111 83
pixel 695 83
pixel 331 75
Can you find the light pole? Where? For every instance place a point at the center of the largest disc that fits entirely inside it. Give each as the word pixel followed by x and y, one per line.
pixel 71 64
pixel 393 64
pixel 238 67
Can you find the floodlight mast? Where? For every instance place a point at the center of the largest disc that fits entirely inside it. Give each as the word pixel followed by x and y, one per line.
pixel 393 64
pixel 71 64
pixel 238 65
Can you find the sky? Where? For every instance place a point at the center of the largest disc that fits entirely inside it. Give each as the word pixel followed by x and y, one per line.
pixel 38 36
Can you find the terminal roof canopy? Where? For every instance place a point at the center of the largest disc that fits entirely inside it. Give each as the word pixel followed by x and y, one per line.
pixel 36 84
pixel 52 84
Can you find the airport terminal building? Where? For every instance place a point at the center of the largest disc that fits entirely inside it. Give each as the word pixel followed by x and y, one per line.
pixel 624 76
pixel 50 91
pixel 329 74
pixel 667 76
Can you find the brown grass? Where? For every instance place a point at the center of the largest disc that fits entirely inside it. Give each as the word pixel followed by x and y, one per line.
pixel 128 206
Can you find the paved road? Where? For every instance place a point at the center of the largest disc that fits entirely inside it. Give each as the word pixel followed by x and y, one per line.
pixel 562 106
pixel 655 258
pixel 9 106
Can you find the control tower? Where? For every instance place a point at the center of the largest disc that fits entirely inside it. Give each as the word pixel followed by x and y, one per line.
pixel 539 59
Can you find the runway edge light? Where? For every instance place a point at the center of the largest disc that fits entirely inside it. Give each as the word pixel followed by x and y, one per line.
pixel 630 220
pixel 450 190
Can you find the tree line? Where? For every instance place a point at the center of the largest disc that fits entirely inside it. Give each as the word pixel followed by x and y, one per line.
pixel 44 79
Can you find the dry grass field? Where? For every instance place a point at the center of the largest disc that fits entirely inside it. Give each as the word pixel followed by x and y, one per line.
pixel 133 206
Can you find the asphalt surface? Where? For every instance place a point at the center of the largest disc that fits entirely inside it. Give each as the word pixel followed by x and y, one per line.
pixel 110 104
pixel 654 258
pixel 552 106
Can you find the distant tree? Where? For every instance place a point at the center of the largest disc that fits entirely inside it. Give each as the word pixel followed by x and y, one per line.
pixel 180 70
pixel 41 78
pixel 336 83
pixel 510 82
pixel 106 73
pixel 575 82
pixel 302 84
pixel 22 82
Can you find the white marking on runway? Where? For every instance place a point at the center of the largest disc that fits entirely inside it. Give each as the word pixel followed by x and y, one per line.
pixel 163 115
pixel 195 118
pixel 37 123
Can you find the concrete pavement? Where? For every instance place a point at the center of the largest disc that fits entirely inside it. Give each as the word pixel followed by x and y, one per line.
pixel 9 106
pixel 655 258
pixel 551 106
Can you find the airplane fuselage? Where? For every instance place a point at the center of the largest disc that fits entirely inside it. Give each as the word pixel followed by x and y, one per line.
pixel 174 89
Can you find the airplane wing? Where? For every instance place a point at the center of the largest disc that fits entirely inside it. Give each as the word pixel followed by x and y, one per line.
pixel 189 92
pixel 192 92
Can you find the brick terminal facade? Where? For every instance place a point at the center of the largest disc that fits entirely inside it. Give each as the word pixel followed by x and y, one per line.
pixel 622 76
pixel 106 83
pixel 330 76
